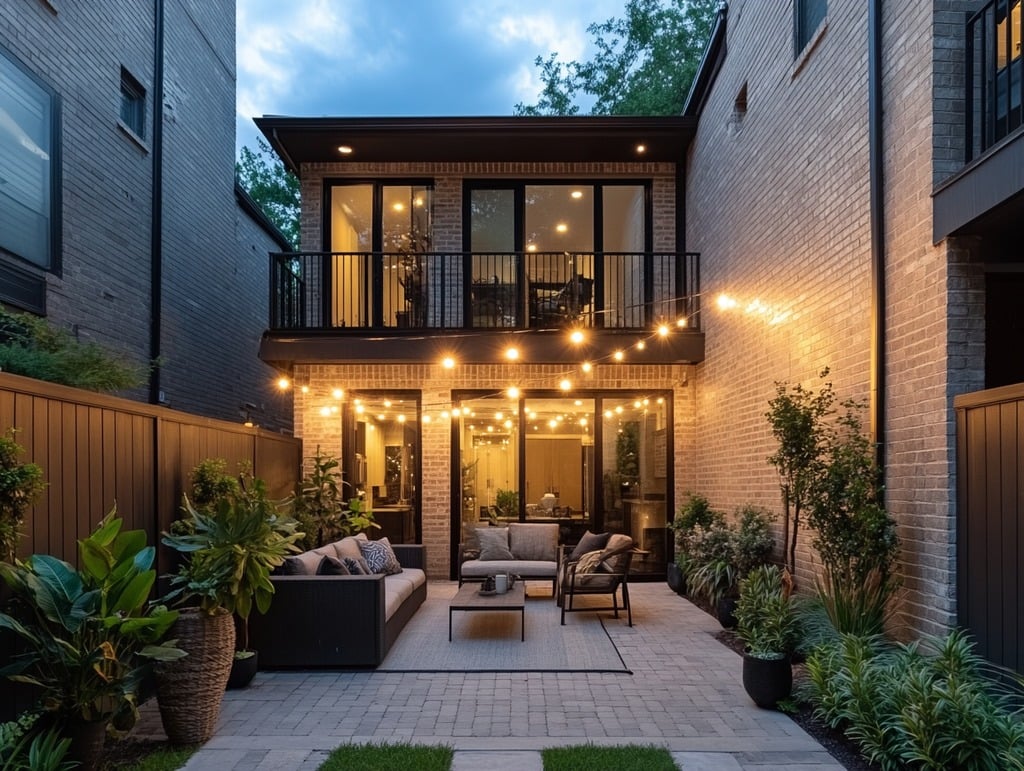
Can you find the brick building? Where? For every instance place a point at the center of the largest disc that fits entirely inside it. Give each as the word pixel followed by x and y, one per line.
pixel 119 215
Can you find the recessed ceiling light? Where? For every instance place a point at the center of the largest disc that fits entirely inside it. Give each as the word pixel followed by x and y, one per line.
pixel 344 149
pixel 577 194
pixel 641 148
pixel 561 227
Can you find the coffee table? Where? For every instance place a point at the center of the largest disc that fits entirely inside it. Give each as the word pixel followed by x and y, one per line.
pixel 469 599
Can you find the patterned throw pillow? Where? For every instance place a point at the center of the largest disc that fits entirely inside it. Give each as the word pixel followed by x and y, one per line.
pixel 356 567
pixel 380 557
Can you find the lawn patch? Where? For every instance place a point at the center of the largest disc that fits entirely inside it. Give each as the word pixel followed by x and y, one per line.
pixel 387 757
pixel 589 757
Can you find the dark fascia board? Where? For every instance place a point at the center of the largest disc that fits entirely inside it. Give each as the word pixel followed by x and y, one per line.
pixel 284 348
pixel 982 196
pixel 565 139
pixel 710 64
pixel 250 207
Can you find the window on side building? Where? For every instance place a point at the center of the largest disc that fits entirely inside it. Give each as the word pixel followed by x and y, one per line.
pixel 29 115
pixel 807 17
pixel 133 104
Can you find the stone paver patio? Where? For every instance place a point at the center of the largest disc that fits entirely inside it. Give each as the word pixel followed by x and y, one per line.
pixel 685 694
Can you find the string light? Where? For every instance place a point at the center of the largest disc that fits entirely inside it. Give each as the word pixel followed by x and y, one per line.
pixel 448 362
pixel 513 392
pixel 587 367
pixel 512 353
pixel 618 356
pixel 304 389
pixel 283 383
pixel 577 336
pixel 338 393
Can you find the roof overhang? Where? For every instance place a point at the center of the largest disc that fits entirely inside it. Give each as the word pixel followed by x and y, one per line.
pixel 607 139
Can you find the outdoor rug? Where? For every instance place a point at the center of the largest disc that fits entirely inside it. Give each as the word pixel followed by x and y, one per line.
pixel 489 642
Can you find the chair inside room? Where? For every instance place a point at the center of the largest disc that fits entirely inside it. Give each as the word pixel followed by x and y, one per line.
pixel 605 573
pixel 564 305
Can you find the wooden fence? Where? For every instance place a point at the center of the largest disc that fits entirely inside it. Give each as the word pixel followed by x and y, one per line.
pixel 96 450
pixel 990 534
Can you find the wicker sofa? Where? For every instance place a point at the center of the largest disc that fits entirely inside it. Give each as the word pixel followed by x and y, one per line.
pixel 338 620
pixel 530 551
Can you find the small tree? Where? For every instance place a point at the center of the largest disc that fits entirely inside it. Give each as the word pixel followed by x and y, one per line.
pixel 798 418
pixel 321 508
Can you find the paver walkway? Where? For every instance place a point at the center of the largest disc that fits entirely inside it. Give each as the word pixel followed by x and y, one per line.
pixel 685 694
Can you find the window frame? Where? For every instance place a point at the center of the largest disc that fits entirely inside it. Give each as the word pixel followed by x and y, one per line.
pixel 55 227
pixel 803 33
pixel 133 97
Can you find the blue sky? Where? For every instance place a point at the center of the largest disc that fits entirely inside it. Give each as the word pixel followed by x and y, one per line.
pixel 401 57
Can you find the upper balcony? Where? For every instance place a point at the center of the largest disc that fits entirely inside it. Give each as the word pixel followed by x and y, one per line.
pixel 383 305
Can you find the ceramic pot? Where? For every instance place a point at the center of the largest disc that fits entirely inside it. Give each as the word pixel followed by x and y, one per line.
pixel 767 681
pixel 243 670
pixel 676 579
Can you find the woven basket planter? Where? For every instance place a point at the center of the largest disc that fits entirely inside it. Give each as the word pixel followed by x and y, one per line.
pixel 190 690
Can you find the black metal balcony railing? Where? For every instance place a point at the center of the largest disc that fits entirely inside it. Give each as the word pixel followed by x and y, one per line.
pixel 513 290
pixel 994 86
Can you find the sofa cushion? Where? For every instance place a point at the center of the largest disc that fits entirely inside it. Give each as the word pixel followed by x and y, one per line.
pixel 305 564
pixel 533 541
pixel 349 546
pixel 493 543
pixel 524 568
pixel 380 556
pixel 332 566
pixel 589 542
pixel 414 577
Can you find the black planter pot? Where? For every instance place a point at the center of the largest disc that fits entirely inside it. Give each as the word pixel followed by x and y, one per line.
pixel 676 579
pixel 726 612
pixel 767 681
pixel 243 670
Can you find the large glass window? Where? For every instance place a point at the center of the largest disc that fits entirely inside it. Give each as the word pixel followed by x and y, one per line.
pixel 381 452
pixel 598 462
pixel 27 168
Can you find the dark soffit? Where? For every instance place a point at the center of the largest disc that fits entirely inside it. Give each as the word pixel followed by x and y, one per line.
pixel 605 139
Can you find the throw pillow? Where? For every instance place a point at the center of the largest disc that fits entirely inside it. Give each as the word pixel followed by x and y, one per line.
pixel 356 567
pixel 589 542
pixel 347 547
pixel 493 543
pixel 332 566
pixel 293 566
pixel 380 557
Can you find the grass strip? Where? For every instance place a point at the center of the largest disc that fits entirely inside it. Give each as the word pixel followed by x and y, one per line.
pixel 388 757
pixel 163 759
pixel 589 757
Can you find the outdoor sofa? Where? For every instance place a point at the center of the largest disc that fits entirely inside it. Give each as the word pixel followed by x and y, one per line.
pixel 337 620
pixel 528 550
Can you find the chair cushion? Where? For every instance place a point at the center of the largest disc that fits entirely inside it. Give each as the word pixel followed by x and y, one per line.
pixel 589 542
pixel 380 556
pixel 332 566
pixel 525 568
pixel 493 543
pixel 534 541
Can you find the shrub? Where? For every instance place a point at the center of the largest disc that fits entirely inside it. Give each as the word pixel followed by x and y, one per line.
pixel 322 511
pixel 766 617
pixel 908 708
pixel 754 540
pixel 20 485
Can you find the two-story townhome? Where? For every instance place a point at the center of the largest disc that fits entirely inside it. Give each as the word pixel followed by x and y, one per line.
pixel 854 187
pixel 497 318
pixel 120 220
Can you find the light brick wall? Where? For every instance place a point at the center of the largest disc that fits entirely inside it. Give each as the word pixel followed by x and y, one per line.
pixel 215 259
pixel 778 204
pixel 436 386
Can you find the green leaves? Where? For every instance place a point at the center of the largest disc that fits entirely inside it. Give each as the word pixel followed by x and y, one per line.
pixel 274 188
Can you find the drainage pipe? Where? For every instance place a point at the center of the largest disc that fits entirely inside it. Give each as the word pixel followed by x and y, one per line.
pixel 156 240
pixel 876 375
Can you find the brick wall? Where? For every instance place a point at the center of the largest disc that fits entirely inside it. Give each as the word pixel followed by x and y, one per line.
pixel 215 263
pixel 436 386
pixel 778 204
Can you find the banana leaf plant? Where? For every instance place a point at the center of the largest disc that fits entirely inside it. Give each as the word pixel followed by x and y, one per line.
pixel 231 546
pixel 90 634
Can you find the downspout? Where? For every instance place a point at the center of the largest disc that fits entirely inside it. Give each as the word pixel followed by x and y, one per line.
pixel 156 206
pixel 876 376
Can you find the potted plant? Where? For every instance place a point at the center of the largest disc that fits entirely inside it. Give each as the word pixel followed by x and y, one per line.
pixel 507 504
pixel 768 625
pixel 91 635
pixel 20 486
pixel 230 548
pixel 694 519
pixel 323 512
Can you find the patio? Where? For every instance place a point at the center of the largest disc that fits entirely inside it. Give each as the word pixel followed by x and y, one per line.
pixel 685 694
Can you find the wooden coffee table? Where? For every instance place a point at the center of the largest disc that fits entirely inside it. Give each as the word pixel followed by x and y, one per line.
pixel 469 599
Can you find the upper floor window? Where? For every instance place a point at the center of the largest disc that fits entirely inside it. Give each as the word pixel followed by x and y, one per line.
pixel 133 104
pixel 28 172
pixel 807 17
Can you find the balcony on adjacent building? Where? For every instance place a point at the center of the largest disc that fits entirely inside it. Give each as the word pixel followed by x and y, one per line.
pixel 993 75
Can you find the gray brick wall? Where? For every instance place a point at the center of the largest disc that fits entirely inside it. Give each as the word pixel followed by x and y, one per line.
pixel 215 264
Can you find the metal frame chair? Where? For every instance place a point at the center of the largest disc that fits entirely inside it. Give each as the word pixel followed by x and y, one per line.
pixel 597 583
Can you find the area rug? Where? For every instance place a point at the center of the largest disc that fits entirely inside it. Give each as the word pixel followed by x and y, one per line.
pixel 490 642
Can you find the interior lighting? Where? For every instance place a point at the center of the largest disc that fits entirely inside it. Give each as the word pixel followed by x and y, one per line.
pixel 565 385
pixel 490 429
pixel 513 392
pixel 532 416
pixel 426 418
pixel 577 194
pixel 248 424
pixel 360 409
pixel 325 412
pixel 608 414
pixel 507 424
pixel 552 423
pixel 387 403
pixel 398 206
pixel 338 393
pixel 400 418
pixel 618 356
pixel 531 247
pixel 512 353
pixel 663 330
pixel 661 400
pixel 618 410
pixel 334 409
pixel 370 427
pixel 587 366
pixel 444 414
pixel 725 302
pixel 578 402
pixel 499 415
pixel 456 412
pixel 561 227
pixel 381 417
pixel 344 149
pixel 583 421
pixel 448 362
pixel 304 389
pixel 646 402
pixel 636 404
pixel 417 201
pixel 283 383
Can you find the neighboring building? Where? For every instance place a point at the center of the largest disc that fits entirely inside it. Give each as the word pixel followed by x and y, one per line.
pixel 100 104
pixel 465 238
pixel 892 257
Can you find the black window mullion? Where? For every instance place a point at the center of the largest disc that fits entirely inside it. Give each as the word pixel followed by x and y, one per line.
pixel 376 260
pixel 598 298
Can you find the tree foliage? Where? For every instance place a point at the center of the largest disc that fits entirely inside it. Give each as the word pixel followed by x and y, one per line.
pixel 263 176
pixel 643 65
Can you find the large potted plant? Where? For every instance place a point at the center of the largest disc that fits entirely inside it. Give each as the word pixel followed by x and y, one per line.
pixel 692 522
pixel 90 634
pixel 323 512
pixel 230 548
pixel 768 625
